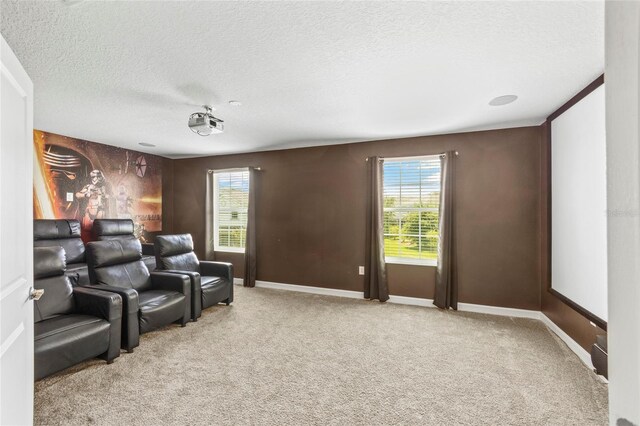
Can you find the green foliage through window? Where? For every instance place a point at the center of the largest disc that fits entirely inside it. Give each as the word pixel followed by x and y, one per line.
pixel 411 202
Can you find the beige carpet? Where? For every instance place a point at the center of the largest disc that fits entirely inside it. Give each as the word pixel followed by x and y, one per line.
pixel 285 358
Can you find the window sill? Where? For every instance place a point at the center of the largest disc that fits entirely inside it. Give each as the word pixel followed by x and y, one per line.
pixel 229 250
pixel 416 262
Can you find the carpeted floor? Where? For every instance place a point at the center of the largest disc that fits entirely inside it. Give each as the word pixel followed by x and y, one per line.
pixel 285 358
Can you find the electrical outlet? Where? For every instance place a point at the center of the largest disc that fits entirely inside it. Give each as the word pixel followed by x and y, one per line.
pixel 69 196
pixel 361 270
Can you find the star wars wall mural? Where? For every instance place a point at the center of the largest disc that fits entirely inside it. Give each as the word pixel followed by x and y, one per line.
pixel 77 179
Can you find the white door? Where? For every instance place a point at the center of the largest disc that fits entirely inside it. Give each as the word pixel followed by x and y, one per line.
pixel 16 241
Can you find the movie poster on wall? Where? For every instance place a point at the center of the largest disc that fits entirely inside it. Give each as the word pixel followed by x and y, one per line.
pixel 77 179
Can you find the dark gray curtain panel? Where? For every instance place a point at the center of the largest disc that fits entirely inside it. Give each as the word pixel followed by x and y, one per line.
pixel 375 276
pixel 250 241
pixel 446 294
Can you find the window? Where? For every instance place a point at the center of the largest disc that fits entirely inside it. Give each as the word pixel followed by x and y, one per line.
pixel 411 201
pixel 230 205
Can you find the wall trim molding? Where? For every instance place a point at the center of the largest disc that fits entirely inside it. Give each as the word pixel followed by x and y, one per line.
pixel 584 356
pixel 580 352
pixel 414 301
pixel 498 310
pixel 313 290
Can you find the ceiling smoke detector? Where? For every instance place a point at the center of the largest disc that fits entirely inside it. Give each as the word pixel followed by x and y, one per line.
pixel 204 123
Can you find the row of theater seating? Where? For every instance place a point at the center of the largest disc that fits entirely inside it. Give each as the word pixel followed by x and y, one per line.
pixel 66 234
pixel 80 317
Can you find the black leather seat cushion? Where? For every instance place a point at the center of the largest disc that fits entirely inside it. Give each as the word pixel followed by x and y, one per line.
pixel 159 308
pixel 63 324
pixel 214 289
pixel 64 339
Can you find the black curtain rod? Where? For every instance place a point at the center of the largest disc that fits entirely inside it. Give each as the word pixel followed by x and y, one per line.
pixel 428 155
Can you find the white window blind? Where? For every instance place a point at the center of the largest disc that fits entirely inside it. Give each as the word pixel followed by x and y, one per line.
pixel 231 201
pixel 411 203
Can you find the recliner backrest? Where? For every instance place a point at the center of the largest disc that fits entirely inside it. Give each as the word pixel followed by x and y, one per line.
pixel 48 272
pixel 118 263
pixel 176 252
pixel 63 233
pixel 111 229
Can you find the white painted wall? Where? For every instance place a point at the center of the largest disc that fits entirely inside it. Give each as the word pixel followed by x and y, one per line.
pixel 622 70
pixel 579 204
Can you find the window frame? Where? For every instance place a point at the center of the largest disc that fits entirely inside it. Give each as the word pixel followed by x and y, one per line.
pixel 397 260
pixel 216 234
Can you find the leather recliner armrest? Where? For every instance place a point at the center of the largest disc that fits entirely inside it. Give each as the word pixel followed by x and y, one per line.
pixel 174 282
pixel 106 305
pixel 129 296
pixel 130 326
pixel 196 291
pixel 171 281
pixel 103 304
pixel 217 269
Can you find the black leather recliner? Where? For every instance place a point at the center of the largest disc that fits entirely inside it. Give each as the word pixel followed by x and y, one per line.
pixel 111 229
pixel 151 300
pixel 72 324
pixel 212 281
pixel 64 233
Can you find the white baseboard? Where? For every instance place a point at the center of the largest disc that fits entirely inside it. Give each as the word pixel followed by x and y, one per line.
pixel 414 301
pixel 401 300
pixel 582 354
pixel 312 290
pixel 497 310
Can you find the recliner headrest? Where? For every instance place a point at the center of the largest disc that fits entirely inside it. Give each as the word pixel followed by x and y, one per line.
pixel 171 245
pixel 48 262
pixel 114 252
pixel 105 227
pixel 53 229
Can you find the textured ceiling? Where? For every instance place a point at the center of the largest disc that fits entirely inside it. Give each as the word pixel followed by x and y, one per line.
pixel 307 73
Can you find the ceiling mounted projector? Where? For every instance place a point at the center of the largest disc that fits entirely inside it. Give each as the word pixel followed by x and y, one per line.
pixel 204 123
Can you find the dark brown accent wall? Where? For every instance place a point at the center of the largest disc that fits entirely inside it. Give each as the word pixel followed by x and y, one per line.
pixel 569 320
pixel 311 214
